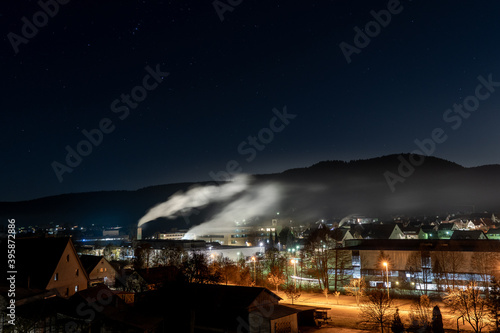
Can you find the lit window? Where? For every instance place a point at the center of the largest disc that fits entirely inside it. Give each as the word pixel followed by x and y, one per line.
pixel 76 288
pixel 56 276
pixel 105 269
pixel 101 270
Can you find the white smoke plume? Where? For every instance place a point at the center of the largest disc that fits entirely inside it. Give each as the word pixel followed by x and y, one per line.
pixel 258 200
pixel 196 197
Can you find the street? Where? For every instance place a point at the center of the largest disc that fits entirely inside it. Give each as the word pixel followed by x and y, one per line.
pixel 345 313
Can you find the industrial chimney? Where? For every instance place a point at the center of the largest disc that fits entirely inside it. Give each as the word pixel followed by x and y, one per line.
pixel 139 233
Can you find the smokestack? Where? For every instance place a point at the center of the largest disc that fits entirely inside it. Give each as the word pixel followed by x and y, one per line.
pixel 139 233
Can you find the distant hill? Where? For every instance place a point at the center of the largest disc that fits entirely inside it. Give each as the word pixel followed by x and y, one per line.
pixel 324 190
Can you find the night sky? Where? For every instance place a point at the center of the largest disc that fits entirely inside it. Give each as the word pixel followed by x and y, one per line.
pixel 224 79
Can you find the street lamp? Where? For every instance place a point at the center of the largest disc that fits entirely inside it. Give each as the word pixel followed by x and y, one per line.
pixel 254 271
pixel 294 262
pixel 387 277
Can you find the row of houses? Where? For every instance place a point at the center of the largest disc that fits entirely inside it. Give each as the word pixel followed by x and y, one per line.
pixel 57 290
pixel 444 230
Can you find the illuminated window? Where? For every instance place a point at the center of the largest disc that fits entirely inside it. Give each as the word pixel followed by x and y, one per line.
pixel 105 269
pixel 56 276
pixel 76 288
pixel 101 270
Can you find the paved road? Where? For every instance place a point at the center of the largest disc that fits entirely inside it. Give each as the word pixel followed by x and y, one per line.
pixel 345 313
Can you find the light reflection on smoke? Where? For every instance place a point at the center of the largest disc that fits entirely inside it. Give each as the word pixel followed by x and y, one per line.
pixel 258 200
pixel 243 201
pixel 196 197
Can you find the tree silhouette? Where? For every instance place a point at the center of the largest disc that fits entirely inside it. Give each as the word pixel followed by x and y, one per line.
pixel 397 325
pixel 437 320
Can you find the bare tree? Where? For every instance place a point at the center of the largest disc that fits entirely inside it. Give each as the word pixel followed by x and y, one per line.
pixel 292 292
pixel 356 288
pixel 324 255
pixel 484 264
pixel 470 304
pixel 275 279
pixel 418 263
pixel 421 312
pixel 376 310
pixel 450 264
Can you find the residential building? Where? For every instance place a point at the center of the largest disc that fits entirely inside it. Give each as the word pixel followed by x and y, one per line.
pixel 49 263
pixel 99 270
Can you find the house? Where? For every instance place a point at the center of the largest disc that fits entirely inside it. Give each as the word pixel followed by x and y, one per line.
pixel 94 309
pixel 219 308
pixel 493 233
pixel 378 231
pixel 49 263
pixel 99 270
pixel 104 311
pixel 446 230
pixel 429 231
pixel 342 235
pixel 150 278
pixel 468 234
pixel 412 232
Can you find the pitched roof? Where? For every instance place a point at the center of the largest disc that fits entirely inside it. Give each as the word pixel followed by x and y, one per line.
pixel 280 311
pixel 409 230
pixel 89 262
pixel 377 231
pixel 233 296
pixel 37 259
pixel 466 234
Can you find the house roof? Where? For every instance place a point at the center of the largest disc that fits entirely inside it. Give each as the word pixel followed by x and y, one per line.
pixel 90 262
pixel 37 259
pixel 280 311
pixel 233 296
pixel 409 230
pixel 377 231
pixel 466 234
pixel 492 231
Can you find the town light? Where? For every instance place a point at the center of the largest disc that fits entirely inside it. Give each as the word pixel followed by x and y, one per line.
pixel 387 277
pixel 254 271
pixel 294 262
